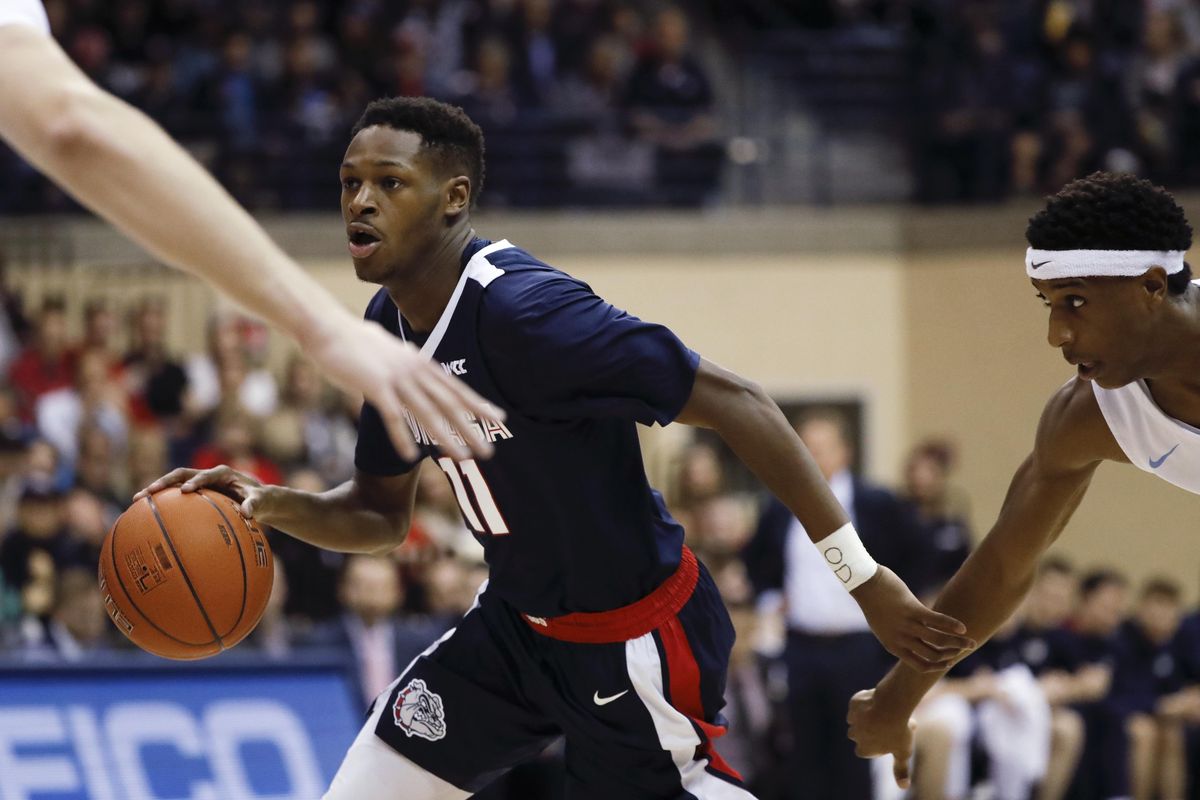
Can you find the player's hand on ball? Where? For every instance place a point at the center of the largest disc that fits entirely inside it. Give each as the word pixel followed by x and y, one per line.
pixel 923 639
pixel 247 491
pixel 876 733
pixel 393 375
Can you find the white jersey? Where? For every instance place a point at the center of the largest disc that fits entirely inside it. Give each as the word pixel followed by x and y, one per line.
pixel 24 12
pixel 1153 441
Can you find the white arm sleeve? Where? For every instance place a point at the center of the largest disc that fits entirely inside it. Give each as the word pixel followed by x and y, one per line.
pixel 24 12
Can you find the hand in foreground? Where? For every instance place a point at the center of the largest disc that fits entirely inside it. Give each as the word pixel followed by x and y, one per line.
pixel 248 492
pixel 393 375
pixel 923 639
pixel 876 733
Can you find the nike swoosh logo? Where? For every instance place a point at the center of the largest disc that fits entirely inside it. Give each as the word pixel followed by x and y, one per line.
pixel 1155 463
pixel 1040 264
pixel 603 701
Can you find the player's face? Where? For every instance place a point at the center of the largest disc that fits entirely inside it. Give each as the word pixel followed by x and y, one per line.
pixel 1100 325
pixel 394 203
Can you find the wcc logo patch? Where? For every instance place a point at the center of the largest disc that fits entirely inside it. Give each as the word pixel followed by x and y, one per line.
pixel 418 711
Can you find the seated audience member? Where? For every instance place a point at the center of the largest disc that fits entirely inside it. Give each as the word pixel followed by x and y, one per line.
pixel 1146 677
pixel 46 363
pixel 235 445
pixel 381 643
pixel 253 388
pixel 942 514
pixel 314 568
pixel 154 380
pixel 93 400
pixel 78 627
pixel 275 636
pixel 99 471
pixel 1051 652
pixel 1103 598
pixel 992 701
pixel 38 547
pixel 670 104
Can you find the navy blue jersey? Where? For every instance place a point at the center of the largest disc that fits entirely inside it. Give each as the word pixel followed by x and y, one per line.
pixel 1053 650
pixel 563 509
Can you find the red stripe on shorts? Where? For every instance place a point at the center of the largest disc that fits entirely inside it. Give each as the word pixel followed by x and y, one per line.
pixel 683 674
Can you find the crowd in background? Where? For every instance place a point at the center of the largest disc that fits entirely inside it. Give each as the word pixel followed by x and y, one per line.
pixel 581 101
pixel 1083 695
pixel 615 102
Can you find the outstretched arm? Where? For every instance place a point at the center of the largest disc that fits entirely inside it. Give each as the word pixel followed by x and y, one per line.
pixel 123 166
pixel 1044 493
pixel 758 433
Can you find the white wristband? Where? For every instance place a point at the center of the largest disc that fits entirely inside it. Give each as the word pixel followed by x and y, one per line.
pixel 843 551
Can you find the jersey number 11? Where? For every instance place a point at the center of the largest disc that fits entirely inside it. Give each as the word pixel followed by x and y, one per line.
pixel 495 524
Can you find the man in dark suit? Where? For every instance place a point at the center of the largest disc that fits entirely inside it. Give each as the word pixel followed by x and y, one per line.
pixel 830 650
pixel 381 643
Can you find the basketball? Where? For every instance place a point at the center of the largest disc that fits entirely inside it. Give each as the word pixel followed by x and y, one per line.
pixel 185 576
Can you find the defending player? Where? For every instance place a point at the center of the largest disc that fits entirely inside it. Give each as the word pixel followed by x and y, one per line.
pixel 117 162
pixel 596 622
pixel 1107 257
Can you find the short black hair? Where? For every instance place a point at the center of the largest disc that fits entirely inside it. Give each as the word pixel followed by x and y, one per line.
pixel 454 141
pixel 1098 579
pixel 1113 211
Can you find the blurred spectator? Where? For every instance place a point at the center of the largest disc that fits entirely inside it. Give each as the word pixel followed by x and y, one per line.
pixel 99 334
pixel 98 470
pixel 941 513
pixel 670 104
pixel 77 627
pixel 38 546
pixel 1103 600
pixel 1147 674
pixel 313 568
pixel 381 643
pixel 308 428
pixel 1051 652
pixel 155 381
pixel 701 477
pixel 147 459
pixel 93 401
pixel 227 362
pixel 831 653
pixel 46 363
pixel 235 444
pixel 275 635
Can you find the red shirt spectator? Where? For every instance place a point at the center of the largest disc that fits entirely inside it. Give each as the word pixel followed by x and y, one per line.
pixel 46 363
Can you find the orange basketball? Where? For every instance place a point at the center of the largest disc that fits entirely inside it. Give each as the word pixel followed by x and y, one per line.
pixel 185 576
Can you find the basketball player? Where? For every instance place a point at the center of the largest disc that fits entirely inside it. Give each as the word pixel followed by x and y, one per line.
pixel 1106 256
pixel 596 622
pixel 121 165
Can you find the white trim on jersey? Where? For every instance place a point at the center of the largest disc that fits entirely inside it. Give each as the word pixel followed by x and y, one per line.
pixel 674 729
pixel 478 269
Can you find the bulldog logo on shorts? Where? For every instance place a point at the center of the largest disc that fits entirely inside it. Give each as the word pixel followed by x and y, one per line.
pixel 418 711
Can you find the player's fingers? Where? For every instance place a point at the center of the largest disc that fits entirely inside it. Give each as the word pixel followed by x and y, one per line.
pixel 475 402
pixel 918 662
pixel 215 477
pixel 941 622
pixel 172 478
pixel 932 654
pixel 451 407
pixel 397 426
pixel 947 641
pixel 900 769
pixel 425 410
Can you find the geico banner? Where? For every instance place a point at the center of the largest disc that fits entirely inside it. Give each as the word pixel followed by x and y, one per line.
pixel 203 734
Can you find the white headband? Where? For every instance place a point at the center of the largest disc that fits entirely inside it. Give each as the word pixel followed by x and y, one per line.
pixel 1051 265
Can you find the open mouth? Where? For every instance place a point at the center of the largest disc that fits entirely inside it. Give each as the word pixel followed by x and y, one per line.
pixel 362 242
pixel 1087 369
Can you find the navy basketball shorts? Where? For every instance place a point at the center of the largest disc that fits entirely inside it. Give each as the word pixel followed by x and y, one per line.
pixel 635 692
